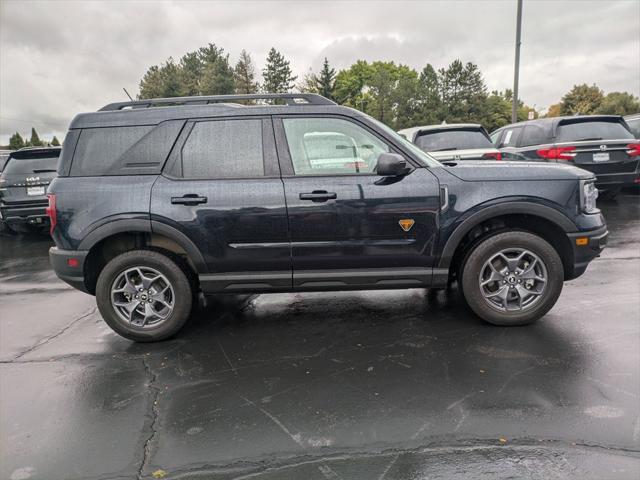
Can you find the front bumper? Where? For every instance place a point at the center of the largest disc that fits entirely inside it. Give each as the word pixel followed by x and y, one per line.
pixel 584 251
pixel 69 266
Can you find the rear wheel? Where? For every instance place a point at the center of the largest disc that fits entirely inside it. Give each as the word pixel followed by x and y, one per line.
pixel 144 296
pixel 512 278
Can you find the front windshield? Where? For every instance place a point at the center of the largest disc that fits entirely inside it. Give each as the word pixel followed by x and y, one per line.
pixel 417 153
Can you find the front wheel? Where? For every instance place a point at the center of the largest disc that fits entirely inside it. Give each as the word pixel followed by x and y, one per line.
pixel 512 278
pixel 144 296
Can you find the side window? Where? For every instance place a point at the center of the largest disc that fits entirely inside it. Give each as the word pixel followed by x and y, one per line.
pixel 495 136
pixel 99 149
pixel 510 137
pixel 325 146
pixel 533 135
pixel 224 149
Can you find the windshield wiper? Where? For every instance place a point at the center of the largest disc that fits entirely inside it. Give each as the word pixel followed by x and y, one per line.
pixel 587 139
pixel 44 170
pixel 443 149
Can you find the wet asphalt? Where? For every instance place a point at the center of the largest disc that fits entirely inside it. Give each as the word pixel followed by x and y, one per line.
pixel 356 385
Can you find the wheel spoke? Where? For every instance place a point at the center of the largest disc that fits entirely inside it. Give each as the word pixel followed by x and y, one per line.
pixel 142 296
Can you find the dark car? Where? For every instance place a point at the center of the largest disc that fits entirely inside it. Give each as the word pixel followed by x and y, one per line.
pixel 453 141
pixel 23 183
pixel 602 144
pixel 157 200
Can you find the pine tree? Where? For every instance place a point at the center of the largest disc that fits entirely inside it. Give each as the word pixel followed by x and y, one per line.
pixel 277 74
pixel 35 139
pixel 16 142
pixel 244 75
pixel 55 142
pixel 151 84
pixel 326 81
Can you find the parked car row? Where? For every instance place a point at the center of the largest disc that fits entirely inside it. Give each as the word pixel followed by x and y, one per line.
pixel 23 183
pixel 603 144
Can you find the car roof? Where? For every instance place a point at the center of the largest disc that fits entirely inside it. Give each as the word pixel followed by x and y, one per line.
pixel 554 121
pixel 154 111
pixel 443 126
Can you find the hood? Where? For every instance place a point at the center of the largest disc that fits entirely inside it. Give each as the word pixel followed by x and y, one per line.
pixel 486 171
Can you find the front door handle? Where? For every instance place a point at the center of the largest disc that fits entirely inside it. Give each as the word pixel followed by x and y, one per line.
pixel 318 196
pixel 188 199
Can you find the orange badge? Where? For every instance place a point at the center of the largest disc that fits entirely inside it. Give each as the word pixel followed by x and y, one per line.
pixel 406 224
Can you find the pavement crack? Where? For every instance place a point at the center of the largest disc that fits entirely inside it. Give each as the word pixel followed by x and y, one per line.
pixel 154 393
pixel 54 336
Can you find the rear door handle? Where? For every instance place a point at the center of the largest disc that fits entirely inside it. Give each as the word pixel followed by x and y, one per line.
pixel 318 196
pixel 188 199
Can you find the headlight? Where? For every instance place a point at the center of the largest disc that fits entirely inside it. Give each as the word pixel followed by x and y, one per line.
pixel 588 197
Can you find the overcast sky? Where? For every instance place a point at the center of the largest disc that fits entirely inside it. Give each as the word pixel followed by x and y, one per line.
pixel 59 58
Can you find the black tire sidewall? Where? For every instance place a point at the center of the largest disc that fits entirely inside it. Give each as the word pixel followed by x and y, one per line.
pixel 145 258
pixel 492 245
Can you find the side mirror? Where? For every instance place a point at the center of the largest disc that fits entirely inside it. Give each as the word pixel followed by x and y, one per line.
pixel 391 165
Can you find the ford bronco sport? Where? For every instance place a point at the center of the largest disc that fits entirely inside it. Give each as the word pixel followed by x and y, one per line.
pixel 158 200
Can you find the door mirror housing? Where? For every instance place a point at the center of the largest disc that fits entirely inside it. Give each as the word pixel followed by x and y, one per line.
pixel 391 165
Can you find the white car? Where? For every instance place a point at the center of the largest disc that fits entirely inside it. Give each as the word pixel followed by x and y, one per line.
pixel 453 141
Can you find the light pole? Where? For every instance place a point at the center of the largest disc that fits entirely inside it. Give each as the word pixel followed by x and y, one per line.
pixel 514 108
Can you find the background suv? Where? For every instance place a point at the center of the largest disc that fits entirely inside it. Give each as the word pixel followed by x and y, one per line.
pixel 456 141
pixel 602 144
pixel 158 200
pixel 23 182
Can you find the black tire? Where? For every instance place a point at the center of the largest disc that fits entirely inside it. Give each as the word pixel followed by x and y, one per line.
pixel 489 247
pixel 176 276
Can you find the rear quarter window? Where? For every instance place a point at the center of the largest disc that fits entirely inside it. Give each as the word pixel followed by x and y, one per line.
pixel 135 150
pixel 634 125
pixel 534 135
pixel 585 130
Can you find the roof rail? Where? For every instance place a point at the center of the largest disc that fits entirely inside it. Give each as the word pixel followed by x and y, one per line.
pixel 290 98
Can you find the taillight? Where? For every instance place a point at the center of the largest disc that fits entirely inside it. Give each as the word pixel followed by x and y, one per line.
pixel 52 213
pixel 494 155
pixel 633 149
pixel 557 153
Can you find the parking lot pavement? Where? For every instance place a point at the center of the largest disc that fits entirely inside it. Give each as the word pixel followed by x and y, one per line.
pixel 385 384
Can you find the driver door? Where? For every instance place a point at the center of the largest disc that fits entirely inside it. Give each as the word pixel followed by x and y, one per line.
pixel 345 220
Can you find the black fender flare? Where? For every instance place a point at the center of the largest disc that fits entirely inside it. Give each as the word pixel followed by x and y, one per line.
pixel 142 225
pixel 497 210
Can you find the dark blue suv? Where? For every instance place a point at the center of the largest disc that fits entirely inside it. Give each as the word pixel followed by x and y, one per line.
pixel 158 200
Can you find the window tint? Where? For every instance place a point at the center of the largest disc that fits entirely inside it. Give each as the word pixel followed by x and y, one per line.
pixel 534 135
pixel 224 149
pixel 440 140
pixel 591 130
pixel 100 149
pixel 634 125
pixel 324 146
pixel 19 166
pixel 510 137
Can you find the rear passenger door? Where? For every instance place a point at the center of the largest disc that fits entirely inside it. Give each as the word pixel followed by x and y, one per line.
pixel 222 189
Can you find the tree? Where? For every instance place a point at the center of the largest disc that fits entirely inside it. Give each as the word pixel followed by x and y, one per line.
pixel 217 78
pixel 245 75
pixel 581 99
pixel 16 142
pixel 151 84
pixel 326 81
pixel 429 101
pixel 619 103
pixel 554 110
pixel 55 142
pixel 277 74
pixel 35 141
pixel 191 67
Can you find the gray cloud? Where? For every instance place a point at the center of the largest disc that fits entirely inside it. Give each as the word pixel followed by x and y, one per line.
pixel 59 58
